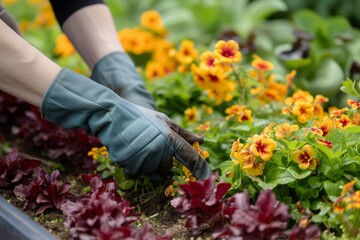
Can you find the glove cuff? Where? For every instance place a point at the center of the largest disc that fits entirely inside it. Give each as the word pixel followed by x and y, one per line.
pixel 117 71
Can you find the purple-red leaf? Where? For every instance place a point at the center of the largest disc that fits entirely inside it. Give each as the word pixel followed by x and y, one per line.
pixel 15 170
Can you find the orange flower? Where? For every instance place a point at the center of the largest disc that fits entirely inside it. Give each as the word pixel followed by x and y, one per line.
pixel 354 104
pixel 284 130
pixel 305 157
pixel 248 161
pixel 325 142
pixel 326 124
pixel 261 64
pixel 319 99
pixel 303 110
pixel 64 47
pixel 343 122
pixel 353 202
pixel 154 69
pixel 313 130
pixel 152 20
pixel 170 191
pixel 234 110
pixel 203 127
pixel 338 112
pixel 262 146
pixel 299 95
pixel 348 187
pixel 203 153
pixel 227 52
pixel 186 53
pixel 289 78
pixel 318 111
pixel 208 59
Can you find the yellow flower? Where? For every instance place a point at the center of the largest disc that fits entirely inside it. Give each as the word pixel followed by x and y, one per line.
pixel 261 64
pixel 343 122
pixel 64 47
pixel 234 110
pixel 248 161
pixel 303 110
pixel 326 124
pixel 46 16
pixel 305 157
pixel 236 148
pixel 203 153
pixel 227 52
pixel 186 53
pixel 154 69
pixel 223 92
pixel 353 202
pixel 262 146
pixel 209 60
pixel 170 191
pixel 289 78
pixel 95 152
pixel 191 114
pixel 198 76
pixel 284 130
pixel 299 95
pixel 188 175
pixel 203 127
pixel 246 116
pixel 136 41
pixel 208 109
pixel 354 104
pixel 348 188
pixel 337 112
pixel 320 99
pixel 152 20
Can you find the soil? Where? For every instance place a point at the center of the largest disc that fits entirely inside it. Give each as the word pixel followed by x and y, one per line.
pixel 154 206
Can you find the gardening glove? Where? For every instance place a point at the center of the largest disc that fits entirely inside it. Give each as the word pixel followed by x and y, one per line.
pixel 8 19
pixel 117 71
pixel 139 139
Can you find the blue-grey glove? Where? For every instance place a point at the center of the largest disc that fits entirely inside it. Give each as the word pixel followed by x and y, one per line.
pixel 117 71
pixel 139 139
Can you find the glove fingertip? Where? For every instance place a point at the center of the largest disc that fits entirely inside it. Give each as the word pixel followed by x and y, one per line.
pixel 202 172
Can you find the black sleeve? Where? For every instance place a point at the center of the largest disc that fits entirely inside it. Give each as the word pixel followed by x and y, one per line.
pixel 64 8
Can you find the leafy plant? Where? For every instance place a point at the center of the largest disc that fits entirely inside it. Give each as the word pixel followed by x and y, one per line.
pixel 43 191
pixel 15 170
pixel 201 203
pixel 234 216
pixel 103 214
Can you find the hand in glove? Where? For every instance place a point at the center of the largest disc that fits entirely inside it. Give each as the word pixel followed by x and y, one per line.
pixel 139 139
pixel 117 71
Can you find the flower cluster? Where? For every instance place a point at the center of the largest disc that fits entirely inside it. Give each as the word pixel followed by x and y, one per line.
pixel 212 73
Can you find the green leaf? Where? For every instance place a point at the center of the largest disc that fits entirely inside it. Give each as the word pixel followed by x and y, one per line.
pixel 328 78
pixel 298 173
pixel 307 20
pixel 327 151
pixel 277 176
pixel 333 189
pixel 315 182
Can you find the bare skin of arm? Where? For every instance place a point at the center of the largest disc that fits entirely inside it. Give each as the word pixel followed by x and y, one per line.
pixel 24 71
pixel 92 31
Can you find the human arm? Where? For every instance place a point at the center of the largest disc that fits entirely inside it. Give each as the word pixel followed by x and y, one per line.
pixel 141 140
pixel 91 29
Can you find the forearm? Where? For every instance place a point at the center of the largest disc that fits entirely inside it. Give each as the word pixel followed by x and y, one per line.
pixel 92 31
pixel 24 71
